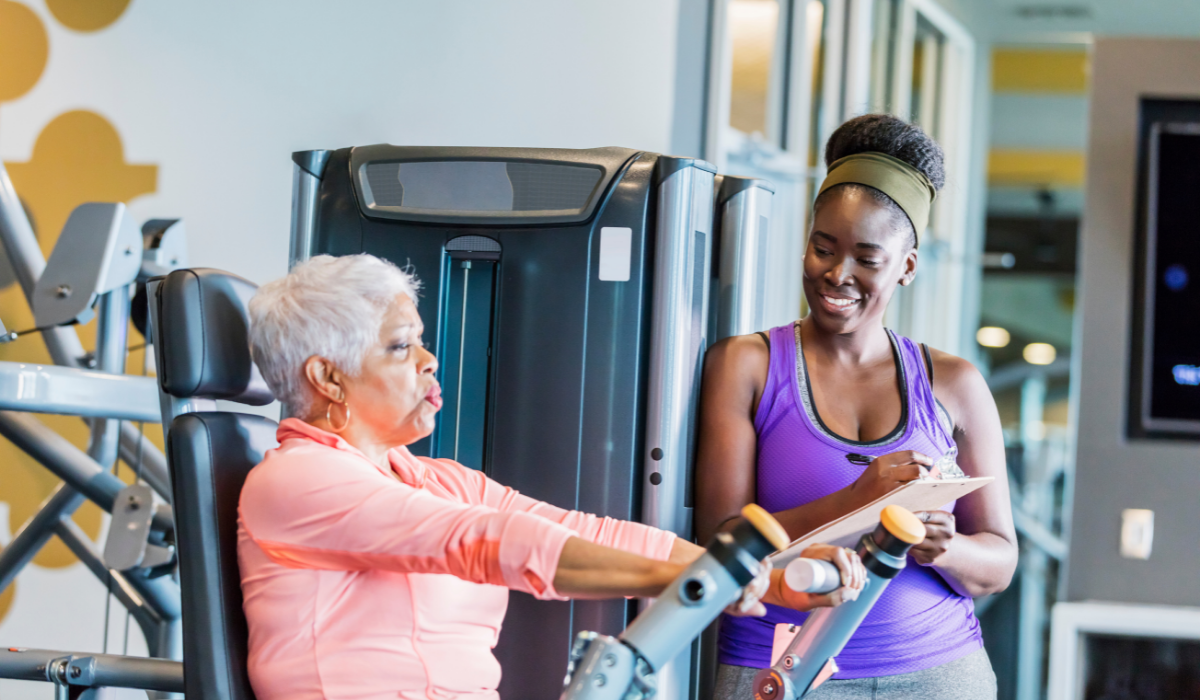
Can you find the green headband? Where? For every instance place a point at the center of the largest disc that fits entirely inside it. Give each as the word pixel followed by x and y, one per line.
pixel 907 186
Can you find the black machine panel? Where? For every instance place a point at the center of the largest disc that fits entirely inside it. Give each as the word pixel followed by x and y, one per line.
pixel 1167 316
pixel 542 362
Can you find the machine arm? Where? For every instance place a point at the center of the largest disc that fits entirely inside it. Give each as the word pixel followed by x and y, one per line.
pixel 623 668
pixel 807 660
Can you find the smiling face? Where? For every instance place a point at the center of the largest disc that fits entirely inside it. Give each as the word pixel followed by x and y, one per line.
pixel 856 257
pixel 396 397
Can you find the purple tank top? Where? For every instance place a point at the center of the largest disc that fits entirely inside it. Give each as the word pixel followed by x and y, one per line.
pixel 920 622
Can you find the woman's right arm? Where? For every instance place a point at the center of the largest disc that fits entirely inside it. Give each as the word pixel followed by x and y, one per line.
pixel 735 372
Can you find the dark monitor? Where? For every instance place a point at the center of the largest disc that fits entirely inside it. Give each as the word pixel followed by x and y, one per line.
pixel 1168 364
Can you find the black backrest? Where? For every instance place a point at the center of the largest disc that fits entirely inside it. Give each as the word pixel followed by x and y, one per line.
pixel 202 352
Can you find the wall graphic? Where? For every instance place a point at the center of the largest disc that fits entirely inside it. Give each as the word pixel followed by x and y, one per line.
pixel 78 157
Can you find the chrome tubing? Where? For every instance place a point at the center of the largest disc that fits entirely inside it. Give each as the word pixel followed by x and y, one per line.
pixel 31 388
pixel 800 668
pixel 742 268
pixel 68 463
pixel 306 185
pixel 678 338
pixel 112 335
pixel 91 670
pixel 632 667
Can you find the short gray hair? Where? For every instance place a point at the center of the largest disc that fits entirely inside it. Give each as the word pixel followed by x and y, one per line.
pixel 326 306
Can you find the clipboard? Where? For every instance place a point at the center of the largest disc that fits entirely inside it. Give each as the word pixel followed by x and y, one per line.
pixel 927 494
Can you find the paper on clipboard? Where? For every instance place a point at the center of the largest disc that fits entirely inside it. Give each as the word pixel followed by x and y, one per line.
pixel 928 494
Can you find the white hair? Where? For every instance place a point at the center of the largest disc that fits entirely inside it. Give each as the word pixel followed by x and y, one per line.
pixel 326 306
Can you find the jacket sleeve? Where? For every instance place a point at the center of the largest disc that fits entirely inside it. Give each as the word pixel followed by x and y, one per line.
pixel 315 508
pixel 649 542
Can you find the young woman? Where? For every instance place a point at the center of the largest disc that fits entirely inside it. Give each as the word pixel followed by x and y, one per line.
pixel 819 417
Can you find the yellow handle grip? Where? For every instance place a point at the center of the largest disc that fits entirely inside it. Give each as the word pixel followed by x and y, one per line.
pixel 903 525
pixel 766 524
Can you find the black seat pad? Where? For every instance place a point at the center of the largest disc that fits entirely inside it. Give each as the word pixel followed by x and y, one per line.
pixel 211 454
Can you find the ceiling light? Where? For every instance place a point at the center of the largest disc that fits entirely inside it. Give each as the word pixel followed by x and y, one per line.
pixel 992 337
pixel 1039 353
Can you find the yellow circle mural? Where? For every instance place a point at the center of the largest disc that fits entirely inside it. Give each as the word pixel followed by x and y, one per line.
pixel 87 15
pixel 6 599
pixel 24 49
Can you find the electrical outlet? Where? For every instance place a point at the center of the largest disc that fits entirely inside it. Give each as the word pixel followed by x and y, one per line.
pixel 1137 533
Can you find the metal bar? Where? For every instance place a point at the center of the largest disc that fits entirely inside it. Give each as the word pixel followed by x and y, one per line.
pixel 28 263
pixel 17 235
pixel 462 350
pixel 679 309
pixel 160 610
pixel 857 75
pixel 71 465
pixel 36 531
pixel 306 185
pixel 742 269
pixel 1038 535
pixel 678 330
pixel 79 544
pixel 104 670
pixel 70 391
pixel 153 463
pixel 112 335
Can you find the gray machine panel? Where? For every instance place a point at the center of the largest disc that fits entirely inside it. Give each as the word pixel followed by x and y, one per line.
pixel 482 186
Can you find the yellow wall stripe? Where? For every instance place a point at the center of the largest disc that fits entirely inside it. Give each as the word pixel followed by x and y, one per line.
pixel 1025 70
pixel 1035 168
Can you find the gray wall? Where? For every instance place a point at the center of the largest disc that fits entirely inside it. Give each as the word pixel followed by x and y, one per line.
pixel 1114 472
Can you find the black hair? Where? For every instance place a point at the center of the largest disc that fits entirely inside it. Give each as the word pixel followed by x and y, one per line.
pixel 890 135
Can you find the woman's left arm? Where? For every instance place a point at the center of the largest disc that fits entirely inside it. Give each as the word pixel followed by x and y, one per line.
pixel 975 549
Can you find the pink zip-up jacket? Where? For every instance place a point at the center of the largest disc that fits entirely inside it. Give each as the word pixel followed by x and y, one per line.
pixel 364 583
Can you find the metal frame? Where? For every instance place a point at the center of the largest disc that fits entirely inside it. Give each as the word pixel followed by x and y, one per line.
pixel 32 388
pixel 65 669
pixel 306 185
pixel 112 401
pixel 742 268
pixel 685 220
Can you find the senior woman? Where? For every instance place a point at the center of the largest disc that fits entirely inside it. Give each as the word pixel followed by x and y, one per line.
pixel 368 572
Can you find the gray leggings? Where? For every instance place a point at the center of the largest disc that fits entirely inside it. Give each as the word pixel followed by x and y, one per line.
pixel 968 678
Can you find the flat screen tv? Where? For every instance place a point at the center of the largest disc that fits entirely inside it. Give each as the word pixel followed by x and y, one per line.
pixel 1166 371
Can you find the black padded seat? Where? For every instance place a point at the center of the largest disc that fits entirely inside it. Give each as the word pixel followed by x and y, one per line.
pixel 202 352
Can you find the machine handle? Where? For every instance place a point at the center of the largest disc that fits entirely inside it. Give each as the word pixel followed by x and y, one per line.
pixel 812 576
pixel 767 525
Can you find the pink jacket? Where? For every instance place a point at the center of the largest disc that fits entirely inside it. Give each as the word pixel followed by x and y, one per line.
pixel 364 583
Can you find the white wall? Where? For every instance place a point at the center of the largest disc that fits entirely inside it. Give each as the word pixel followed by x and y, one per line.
pixel 219 93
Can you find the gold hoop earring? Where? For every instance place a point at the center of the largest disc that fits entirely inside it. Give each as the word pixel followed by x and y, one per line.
pixel 329 420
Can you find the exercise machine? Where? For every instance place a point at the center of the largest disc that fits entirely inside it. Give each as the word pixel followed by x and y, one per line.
pixel 809 658
pixel 566 294
pixel 99 256
pixel 624 668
